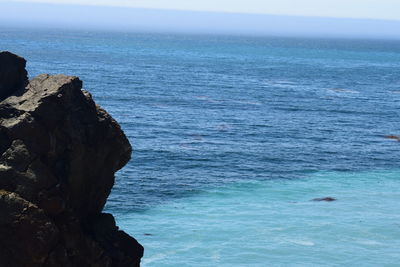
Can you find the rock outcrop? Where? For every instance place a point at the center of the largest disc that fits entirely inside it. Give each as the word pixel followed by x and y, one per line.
pixel 58 155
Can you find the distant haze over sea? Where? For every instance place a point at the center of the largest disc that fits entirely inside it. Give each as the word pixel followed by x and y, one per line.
pixel 153 20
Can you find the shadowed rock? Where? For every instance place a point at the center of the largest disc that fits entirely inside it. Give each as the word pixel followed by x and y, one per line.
pixel 58 155
pixel 13 76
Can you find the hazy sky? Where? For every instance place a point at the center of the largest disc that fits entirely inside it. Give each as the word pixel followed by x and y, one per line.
pixel 377 9
pixel 93 14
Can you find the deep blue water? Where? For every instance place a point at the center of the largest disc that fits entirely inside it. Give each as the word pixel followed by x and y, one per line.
pixel 233 136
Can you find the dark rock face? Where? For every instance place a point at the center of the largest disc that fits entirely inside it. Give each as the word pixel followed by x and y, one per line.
pixel 13 75
pixel 58 155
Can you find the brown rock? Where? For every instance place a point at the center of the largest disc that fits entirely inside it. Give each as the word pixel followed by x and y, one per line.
pixel 394 137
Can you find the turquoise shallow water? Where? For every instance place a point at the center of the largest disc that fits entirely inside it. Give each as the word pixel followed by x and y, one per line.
pixel 274 223
pixel 233 136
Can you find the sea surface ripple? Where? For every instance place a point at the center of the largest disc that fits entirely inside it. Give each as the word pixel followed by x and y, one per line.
pixel 233 136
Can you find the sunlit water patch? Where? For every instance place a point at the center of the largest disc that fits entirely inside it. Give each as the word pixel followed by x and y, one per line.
pixel 276 223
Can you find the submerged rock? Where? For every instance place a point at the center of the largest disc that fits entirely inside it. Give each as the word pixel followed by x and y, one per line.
pixel 58 155
pixel 394 137
pixel 328 199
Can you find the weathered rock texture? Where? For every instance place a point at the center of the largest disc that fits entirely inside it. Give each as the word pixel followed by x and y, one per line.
pixel 58 155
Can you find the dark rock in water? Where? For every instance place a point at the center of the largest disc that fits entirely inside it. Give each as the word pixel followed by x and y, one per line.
pixel 328 199
pixel 13 76
pixel 58 155
pixel 394 137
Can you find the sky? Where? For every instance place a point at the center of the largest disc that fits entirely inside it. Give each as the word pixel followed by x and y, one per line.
pixel 326 18
pixel 373 9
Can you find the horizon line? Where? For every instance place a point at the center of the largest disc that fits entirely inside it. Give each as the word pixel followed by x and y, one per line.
pixel 61 15
pixel 200 11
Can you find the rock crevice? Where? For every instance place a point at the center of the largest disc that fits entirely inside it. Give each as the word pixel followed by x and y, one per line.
pixel 59 152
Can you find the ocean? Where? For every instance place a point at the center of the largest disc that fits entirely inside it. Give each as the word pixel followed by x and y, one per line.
pixel 234 136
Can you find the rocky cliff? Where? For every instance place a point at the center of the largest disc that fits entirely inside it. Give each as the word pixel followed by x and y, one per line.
pixel 58 155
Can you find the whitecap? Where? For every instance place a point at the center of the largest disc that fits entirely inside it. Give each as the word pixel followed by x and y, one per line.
pixel 369 242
